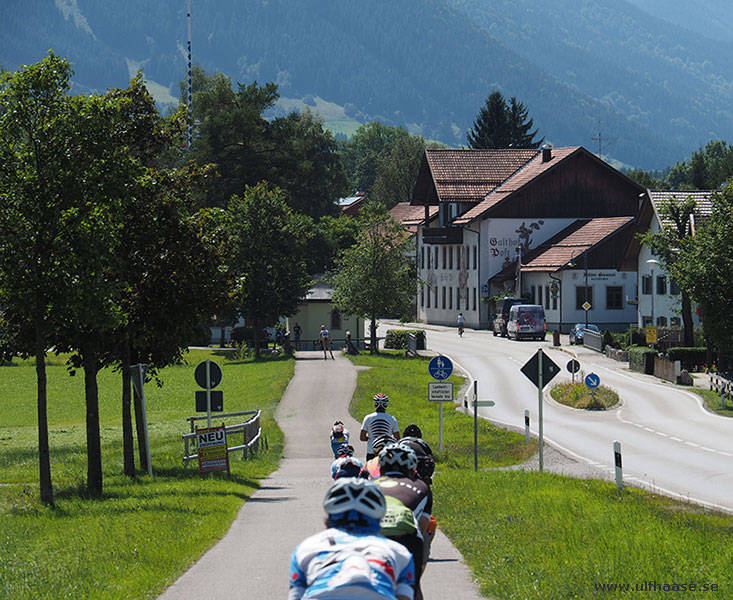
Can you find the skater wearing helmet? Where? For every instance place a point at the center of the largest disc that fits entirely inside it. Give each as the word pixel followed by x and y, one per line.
pixel 377 424
pixel 351 559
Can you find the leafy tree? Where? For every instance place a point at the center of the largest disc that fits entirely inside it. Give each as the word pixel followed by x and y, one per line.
pixel 397 170
pixel 268 255
pixel 36 210
pixel 647 180
pixel 666 243
pixel 294 153
pixel 704 268
pixel 373 277
pixel 306 164
pixel 331 235
pixel 361 154
pixel 61 189
pixel 499 125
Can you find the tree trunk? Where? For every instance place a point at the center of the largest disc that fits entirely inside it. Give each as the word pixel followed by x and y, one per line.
pixel 128 450
pixel 142 451
pixel 44 453
pixel 688 338
pixel 94 443
pixel 256 334
pixel 373 348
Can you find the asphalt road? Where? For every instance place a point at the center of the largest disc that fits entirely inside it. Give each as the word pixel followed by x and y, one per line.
pixel 252 560
pixel 669 442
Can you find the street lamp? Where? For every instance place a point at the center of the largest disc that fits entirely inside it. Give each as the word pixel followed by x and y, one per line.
pixel 652 262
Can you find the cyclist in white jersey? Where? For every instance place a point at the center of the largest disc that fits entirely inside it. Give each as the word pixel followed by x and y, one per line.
pixel 350 559
pixel 378 424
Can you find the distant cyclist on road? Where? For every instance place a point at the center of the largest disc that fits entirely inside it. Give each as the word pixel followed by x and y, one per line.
pixel 351 559
pixel 346 465
pixel 377 424
pixel 461 322
pixel 339 436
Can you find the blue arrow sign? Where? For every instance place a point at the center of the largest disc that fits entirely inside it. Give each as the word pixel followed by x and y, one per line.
pixel 440 368
pixel 592 380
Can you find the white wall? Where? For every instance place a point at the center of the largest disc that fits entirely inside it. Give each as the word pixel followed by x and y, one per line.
pixel 666 307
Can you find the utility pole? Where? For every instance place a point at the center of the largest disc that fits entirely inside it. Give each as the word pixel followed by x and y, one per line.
pixel 190 80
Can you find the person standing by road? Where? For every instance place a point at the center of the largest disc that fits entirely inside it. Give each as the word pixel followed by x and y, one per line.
pixel 351 559
pixel 325 338
pixel 377 424
pixel 297 330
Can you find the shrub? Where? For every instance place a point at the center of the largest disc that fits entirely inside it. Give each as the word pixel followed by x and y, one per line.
pixel 690 358
pixel 397 338
pixel 638 357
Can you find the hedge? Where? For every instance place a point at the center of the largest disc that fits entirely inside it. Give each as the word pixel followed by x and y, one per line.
pixel 690 358
pixel 637 357
pixel 397 338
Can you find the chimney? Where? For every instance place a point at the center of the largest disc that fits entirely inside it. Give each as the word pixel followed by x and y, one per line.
pixel 546 153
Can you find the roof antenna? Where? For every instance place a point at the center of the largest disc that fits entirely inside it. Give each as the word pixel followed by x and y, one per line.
pixel 600 139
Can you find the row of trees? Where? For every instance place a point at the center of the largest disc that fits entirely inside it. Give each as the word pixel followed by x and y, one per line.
pixel 707 169
pixel 118 248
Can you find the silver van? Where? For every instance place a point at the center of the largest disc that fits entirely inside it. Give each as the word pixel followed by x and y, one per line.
pixel 526 321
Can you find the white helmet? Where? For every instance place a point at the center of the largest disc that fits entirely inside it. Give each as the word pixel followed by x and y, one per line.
pixel 381 400
pixel 361 495
pixel 398 456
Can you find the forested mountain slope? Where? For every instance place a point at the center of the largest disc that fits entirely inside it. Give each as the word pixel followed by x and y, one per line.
pixel 425 64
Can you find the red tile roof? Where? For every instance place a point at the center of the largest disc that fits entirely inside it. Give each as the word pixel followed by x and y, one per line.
pixel 703 199
pixel 411 215
pixel 468 175
pixel 529 172
pixel 571 242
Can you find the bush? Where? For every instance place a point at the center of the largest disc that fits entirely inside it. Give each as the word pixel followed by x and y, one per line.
pixel 691 359
pixel 397 338
pixel 638 360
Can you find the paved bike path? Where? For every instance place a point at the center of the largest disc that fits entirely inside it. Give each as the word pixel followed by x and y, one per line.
pixel 252 560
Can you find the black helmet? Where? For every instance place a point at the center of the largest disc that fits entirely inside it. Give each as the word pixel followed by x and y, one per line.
pixel 412 431
pixel 425 460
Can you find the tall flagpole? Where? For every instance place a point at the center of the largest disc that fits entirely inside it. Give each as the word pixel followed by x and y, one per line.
pixel 190 81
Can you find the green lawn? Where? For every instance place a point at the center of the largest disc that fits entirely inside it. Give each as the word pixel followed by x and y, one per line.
pixel 530 535
pixel 144 533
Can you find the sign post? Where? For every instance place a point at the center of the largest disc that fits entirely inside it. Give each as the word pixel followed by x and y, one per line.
pixel 475 425
pixel 618 465
pixel 440 392
pixel 138 381
pixel 208 375
pixel 440 369
pixel 540 369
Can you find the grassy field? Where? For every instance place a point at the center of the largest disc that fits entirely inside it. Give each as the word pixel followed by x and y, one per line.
pixel 712 400
pixel 143 533
pixel 530 535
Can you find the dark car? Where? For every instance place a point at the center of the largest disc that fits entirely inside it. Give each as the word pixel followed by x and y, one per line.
pixel 576 333
pixel 503 306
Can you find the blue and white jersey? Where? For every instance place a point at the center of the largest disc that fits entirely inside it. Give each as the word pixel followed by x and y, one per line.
pixel 337 564
pixel 354 464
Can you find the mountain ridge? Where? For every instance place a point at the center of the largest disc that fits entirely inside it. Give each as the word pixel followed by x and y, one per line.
pixel 427 65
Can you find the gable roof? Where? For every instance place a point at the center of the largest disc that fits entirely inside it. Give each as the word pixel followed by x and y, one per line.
pixel 529 172
pixel 468 175
pixel 650 209
pixel 412 215
pixel 570 244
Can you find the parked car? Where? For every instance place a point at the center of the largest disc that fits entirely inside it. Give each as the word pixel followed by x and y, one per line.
pixel 503 306
pixel 576 333
pixel 526 321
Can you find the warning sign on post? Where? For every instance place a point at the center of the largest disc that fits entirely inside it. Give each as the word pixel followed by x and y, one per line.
pixel 212 447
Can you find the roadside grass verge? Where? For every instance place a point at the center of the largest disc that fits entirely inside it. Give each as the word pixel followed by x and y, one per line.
pixel 405 381
pixel 528 535
pixel 712 401
pixel 577 395
pixel 143 533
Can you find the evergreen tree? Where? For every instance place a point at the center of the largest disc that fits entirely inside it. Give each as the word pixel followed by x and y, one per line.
pixel 499 125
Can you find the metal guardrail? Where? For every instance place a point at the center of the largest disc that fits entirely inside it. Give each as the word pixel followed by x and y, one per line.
pixel 250 429
pixel 593 340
